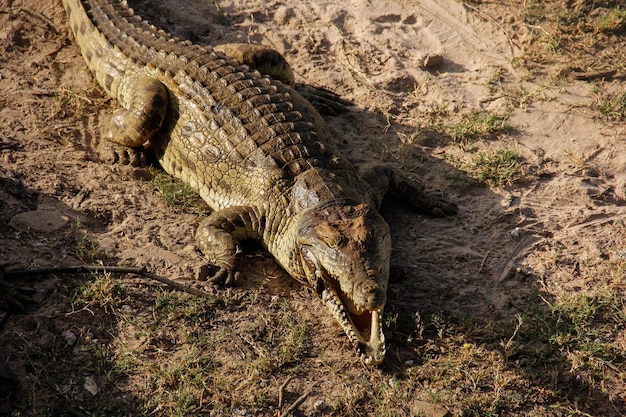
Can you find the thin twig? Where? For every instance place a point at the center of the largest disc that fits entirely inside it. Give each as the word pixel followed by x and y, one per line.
pixel 594 75
pixel 175 285
pixel 81 269
pixel 296 404
pixel 281 392
pixel 482 264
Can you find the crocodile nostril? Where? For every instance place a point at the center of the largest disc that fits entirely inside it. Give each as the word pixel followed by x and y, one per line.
pixel 372 295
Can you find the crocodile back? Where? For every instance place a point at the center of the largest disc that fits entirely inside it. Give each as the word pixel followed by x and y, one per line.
pixel 237 137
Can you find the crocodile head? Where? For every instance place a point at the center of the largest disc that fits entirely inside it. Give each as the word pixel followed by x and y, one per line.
pixel 344 252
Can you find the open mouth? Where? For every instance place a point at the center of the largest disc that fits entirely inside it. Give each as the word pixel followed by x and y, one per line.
pixel 363 327
pixel 363 323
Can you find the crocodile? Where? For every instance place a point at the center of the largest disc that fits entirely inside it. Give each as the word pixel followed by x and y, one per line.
pixel 228 122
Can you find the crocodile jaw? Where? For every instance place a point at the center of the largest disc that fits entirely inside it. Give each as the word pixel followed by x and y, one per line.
pixel 369 341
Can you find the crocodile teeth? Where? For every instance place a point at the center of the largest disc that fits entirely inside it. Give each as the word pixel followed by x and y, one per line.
pixel 363 327
pixel 369 342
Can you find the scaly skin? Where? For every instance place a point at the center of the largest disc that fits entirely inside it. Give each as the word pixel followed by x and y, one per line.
pixel 257 152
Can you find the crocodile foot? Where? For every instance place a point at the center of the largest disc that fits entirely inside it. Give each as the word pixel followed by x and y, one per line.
pixel 113 153
pixel 325 101
pixel 218 236
pixel 218 275
pixel 145 104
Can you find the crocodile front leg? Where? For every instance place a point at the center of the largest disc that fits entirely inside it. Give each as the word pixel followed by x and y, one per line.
pixel 144 100
pixel 383 180
pixel 218 239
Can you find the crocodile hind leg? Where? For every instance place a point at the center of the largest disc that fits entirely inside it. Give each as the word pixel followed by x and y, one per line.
pixel 270 62
pixel 218 239
pixel 144 105
pixel 383 180
pixel 266 60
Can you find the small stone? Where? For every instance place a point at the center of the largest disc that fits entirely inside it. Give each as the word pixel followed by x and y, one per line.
pixel 431 60
pixel 516 232
pixel 410 362
pixel 70 337
pixel 91 385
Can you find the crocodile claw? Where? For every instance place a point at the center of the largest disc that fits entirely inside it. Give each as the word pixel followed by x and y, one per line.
pixel 219 275
pixel 226 277
pixel 113 153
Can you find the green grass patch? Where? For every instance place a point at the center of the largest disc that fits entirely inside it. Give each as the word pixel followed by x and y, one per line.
pixel 613 108
pixel 86 249
pixel 100 291
pixel 480 124
pixel 609 21
pixel 500 168
pixel 178 195
pixel 587 318
pixel 295 339
pixel 573 35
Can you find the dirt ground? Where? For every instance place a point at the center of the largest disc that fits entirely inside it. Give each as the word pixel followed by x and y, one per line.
pixel 547 249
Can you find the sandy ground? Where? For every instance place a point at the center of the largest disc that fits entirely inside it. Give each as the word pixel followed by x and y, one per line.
pixel 503 244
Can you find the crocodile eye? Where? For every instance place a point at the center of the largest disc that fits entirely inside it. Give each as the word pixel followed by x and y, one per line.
pixel 330 241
